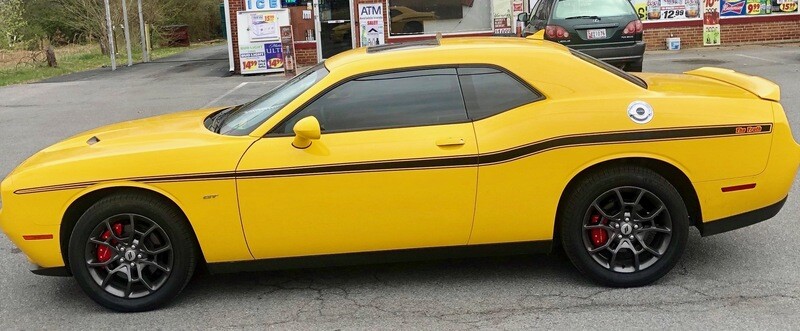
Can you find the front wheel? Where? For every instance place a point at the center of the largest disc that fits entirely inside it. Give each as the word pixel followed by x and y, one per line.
pixel 132 252
pixel 624 227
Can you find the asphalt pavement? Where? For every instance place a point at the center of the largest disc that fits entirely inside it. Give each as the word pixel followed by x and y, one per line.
pixel 746 279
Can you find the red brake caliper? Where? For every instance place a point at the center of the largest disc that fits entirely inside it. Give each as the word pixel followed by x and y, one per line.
pixel 103 251
pixel 599 237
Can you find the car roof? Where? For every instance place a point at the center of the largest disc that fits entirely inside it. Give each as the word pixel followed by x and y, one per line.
pixel 447 50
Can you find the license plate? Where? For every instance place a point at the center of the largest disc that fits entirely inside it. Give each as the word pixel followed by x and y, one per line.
pixel 596 34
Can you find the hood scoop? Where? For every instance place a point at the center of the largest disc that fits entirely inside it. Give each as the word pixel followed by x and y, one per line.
pixel 93 140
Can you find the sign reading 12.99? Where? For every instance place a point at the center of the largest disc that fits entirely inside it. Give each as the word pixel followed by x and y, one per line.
pixel 262 4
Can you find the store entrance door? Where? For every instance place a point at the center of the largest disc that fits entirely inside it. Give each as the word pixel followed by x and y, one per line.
pixel 336 27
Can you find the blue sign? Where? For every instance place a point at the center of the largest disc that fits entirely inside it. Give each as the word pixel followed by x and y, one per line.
pixel 262 4
pixel 274 55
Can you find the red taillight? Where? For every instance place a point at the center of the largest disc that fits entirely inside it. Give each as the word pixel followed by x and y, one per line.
pixel 634 27
pixel 556 32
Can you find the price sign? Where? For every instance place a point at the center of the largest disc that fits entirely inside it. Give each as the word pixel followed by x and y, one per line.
pixel 754 8
pixel 789 6
pixel 673 13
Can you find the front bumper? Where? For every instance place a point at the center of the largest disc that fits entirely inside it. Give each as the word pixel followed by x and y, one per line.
pixel 741 220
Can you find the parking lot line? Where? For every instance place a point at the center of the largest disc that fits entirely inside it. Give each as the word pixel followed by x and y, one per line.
pixel 757 58
pixel 225 95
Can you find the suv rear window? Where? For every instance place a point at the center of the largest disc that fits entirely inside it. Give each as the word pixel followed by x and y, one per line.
pixel 610 68
pixel 601 8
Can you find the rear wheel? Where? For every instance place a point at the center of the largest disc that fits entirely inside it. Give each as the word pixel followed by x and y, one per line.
pixel 624 226
pixel 132 252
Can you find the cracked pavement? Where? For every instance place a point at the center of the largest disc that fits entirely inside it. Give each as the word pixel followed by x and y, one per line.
pixel 746 279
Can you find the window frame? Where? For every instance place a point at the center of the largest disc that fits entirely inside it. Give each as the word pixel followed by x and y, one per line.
pixel 271 133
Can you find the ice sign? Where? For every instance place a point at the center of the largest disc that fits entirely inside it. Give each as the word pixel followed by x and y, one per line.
pixel 262 4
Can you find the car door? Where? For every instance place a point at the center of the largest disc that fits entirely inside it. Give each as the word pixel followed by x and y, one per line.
pixel 395 168
pixel 508 183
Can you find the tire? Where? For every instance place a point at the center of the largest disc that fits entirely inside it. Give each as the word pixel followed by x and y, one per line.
pixel 624 261
pixel 135 280
pixel 635 66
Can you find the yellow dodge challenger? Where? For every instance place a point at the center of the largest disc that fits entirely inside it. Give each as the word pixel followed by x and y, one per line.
pixel 473 146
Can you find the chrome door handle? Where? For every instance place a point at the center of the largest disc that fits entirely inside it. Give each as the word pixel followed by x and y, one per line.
pixel 450 142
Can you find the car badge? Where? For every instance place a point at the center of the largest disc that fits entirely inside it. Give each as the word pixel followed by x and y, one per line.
pixel 640 112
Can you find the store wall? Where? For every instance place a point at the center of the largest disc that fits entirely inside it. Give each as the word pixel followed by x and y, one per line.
pixel 732 30
pixel 234 7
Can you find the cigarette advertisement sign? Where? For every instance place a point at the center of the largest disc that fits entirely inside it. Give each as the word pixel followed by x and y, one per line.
pixel 711 30
pixel 370 18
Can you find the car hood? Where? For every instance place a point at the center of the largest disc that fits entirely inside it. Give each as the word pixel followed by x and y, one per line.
pixel 169 144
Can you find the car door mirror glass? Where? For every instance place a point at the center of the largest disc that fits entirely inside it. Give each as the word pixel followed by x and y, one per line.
pixel 305 131
pixel 523 17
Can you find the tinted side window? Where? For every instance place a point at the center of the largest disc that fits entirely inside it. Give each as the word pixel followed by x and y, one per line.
pixel 543 10
pixel 490 91
pixel 411 98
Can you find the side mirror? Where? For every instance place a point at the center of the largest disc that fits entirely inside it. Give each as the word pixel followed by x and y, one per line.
pixel 306 130
pixel 523 17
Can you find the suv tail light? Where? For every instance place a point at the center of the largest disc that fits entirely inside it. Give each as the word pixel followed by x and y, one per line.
pixel 634 27
pixel 556 32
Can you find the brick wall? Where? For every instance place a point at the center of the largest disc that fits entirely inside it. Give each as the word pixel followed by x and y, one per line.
pixel 732 31
pixel 235 6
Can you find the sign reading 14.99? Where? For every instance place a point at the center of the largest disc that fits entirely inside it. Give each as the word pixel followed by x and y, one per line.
pixel 262 4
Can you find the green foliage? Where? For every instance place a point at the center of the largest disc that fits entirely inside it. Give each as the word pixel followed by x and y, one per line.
pixel 46 20
pixel 27 22
pixel 11 22
pixel 202 17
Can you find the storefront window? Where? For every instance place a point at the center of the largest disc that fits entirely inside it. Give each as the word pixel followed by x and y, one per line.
pixel 412 17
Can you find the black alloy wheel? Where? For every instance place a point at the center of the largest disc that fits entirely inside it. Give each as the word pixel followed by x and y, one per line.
pixel 132 252
pixel 624 226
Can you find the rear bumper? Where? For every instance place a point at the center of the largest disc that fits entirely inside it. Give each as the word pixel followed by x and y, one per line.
pixel 613 53
pixel 741 220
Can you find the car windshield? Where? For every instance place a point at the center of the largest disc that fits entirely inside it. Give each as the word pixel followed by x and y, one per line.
pixel 592 8
pixel 247 118
pixel 610 68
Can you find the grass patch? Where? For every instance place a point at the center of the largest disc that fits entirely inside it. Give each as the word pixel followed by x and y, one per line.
pixel 71 59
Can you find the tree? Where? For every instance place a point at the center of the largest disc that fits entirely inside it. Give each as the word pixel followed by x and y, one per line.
pixel 11 22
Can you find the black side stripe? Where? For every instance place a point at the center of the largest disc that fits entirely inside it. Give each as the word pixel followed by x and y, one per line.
pixel 616 138
pixel 487 159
